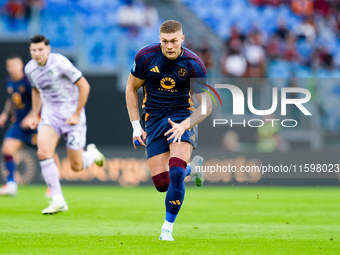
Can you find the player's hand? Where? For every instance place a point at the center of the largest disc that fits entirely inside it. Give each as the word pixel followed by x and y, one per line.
pixel 177 131
pixel 25 123
pixel 32 121
pixel 137 133
pixel 73 120
pixel 140 137
pixel 3 119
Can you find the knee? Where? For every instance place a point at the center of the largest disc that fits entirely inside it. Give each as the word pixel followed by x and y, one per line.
pixel 76 165
pixel 43 154
pixel 5 151
pixel 161 181
pixel 177 170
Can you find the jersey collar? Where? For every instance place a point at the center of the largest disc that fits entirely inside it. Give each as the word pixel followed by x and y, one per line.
pixel 180 55
pixel 47 61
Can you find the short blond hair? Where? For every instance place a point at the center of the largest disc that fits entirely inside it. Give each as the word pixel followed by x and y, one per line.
pixel 170 26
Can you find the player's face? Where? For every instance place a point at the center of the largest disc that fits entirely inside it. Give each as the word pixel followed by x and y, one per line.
pixel 15 67
pixel 171 44
pixel 39 52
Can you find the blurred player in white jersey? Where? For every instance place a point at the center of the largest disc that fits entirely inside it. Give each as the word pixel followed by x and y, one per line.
pixel 60 91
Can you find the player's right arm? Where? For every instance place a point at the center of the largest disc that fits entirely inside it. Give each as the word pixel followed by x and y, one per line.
pixel 33 116
pixel 6 112
pixel 36 107
pixel 132 86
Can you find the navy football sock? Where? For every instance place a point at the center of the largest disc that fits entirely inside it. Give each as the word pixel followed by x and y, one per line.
pixel 10 166
pixel 175 195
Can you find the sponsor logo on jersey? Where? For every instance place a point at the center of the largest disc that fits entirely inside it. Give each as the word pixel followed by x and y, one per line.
pixel 168 83
pixel 22 88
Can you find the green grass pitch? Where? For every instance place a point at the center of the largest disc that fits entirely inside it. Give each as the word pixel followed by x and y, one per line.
pixel 213 220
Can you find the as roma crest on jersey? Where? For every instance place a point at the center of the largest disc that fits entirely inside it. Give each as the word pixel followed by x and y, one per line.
pixel 182 72
pixel 21 88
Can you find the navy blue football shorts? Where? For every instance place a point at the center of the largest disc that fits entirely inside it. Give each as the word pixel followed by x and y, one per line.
pixel 156 125
pixel 28 136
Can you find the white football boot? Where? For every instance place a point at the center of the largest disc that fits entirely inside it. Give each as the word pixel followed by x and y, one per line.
pixel 9 189
pixel 100 160
pixel 196 171
pixel 55 206
pixel 166 235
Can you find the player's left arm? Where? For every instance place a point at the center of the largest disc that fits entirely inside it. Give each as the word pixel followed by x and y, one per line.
pixel 84 91
pixel 199 71
pixel 195 118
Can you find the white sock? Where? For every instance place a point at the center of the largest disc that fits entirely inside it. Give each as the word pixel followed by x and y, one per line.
pixel 89 157
pixel 50 174
pixel 168 225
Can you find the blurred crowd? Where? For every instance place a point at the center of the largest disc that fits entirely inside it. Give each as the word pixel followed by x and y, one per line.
pixel 312 43
pixel 19 12
pixel 133 17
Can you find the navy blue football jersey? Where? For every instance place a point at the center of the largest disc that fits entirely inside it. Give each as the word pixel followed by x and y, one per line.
pixel 167 82
pixel 20 92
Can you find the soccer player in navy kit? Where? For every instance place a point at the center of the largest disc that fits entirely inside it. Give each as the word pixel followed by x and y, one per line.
pixel 17 106
pixel 170 125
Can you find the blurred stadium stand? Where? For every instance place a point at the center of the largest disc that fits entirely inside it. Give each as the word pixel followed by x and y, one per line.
pixel 89 30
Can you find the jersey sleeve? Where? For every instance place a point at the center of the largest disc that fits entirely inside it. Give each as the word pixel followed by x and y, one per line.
pixel 139 66
pixel 69 69
pixel 199 77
